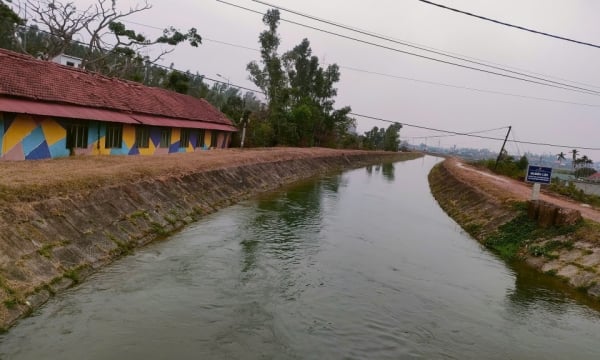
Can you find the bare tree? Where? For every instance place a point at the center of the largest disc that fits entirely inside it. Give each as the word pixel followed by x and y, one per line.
pixel 63 22
pixel 105 37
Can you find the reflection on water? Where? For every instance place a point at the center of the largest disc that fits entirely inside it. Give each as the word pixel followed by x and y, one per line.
pixel 361 265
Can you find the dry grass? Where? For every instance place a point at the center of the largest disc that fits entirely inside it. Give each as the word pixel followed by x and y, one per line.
pixel 33 180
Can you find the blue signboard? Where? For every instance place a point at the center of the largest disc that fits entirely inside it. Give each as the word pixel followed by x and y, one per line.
pixel 539 174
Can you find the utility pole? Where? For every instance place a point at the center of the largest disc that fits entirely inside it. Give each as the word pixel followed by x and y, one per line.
pixel 244 120
pixel 501 150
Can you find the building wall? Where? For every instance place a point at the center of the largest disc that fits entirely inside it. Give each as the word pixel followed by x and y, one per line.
pixel 24 137
pixel 588 188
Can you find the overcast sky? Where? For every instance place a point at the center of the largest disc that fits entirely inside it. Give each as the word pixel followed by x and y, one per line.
pixel 414 102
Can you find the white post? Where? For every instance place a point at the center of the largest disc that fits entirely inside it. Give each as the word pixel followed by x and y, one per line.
pixel 535 194
pixel 243 136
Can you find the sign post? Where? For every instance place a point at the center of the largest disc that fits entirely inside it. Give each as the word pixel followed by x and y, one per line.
pixel 538 175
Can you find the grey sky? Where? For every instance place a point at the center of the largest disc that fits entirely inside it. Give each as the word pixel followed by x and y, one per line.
pixel 413 21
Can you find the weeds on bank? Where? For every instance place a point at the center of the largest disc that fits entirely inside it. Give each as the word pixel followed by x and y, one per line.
pixel 521 231
pixel 574 193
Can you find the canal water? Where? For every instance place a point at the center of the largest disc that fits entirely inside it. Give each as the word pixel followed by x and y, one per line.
pixel 360 265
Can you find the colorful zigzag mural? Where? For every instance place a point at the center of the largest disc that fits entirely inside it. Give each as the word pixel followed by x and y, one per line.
pixel 24 137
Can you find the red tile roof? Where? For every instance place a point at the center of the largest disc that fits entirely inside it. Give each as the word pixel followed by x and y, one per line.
pixel 26 77
pixel 594 177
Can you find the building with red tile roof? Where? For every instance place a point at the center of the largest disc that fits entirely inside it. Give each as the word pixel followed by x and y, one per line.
pixel 49 110
pixel 594 177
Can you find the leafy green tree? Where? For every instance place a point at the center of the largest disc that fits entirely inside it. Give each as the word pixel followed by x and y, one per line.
pixel 178 82
pixel 574 152
pixel 584 172
pixel 523 163
pixel 300 92
pixel 9 21
pixel 270 77
pixel 391 140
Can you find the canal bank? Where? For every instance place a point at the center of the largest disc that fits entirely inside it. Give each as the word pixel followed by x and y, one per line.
pixel 498 218
pixel 361 264
pixel 59 229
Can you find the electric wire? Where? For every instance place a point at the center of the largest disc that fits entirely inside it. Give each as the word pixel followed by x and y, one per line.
pixel 454 133
pixel 386 38
pixel 510 25
pixel 465 133
pixel 466 87
pixel 472 135
pixel 389 37
pixel 370 72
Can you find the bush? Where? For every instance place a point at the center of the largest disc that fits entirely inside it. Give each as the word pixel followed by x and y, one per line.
pixel 506 166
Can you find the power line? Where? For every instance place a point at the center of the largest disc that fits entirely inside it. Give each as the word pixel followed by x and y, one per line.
pixel 510 25
pixel 391 39
pixel 466 133
pixel 387 38
pixel 465 87
pixel 568 88
pixel 473 135
pixel 414 79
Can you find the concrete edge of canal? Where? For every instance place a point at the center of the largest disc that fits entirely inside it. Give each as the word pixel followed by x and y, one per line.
pixel 62 240
pixel 572 255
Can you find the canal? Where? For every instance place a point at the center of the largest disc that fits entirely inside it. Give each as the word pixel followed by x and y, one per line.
pixel 360 265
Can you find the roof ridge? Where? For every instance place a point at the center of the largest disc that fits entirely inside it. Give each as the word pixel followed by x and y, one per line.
pixel 24 76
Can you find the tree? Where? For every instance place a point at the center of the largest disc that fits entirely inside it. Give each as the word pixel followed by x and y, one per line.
pixel 391 140
pixel 270 78
pixel 560 157
pixel 109 41
pixel 300 92
pixel 523 163
pixel 9 21
pixel 574 152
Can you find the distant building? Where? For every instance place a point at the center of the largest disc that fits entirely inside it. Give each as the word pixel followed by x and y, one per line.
pixel 594 178
pixel 48 110
pixel 68 60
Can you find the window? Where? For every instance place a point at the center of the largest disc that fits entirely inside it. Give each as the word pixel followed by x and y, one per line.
pixel 213 139
pixel 70 63
pixel 142 137
pixel 114 136
pixel 77 135
pixel 184 139
pixel 200 141
pixel 165 137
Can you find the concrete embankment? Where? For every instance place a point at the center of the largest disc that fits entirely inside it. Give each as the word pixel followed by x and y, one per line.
pixel 507 225
pixel 49 243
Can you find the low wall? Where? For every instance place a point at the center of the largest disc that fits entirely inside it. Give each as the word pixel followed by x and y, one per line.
pixel 588 188
pixel 49 245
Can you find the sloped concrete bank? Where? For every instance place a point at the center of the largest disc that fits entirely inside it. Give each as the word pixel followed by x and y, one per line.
pixel 47 246
pixel 571 253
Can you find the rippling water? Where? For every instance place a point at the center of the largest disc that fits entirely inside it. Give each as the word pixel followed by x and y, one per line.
pixel 362 265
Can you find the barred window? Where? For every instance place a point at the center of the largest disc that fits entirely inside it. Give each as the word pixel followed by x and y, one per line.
pixel 200 141
pixel 142 137
pixel 214 138
pixel 165 137
pixel 184 139
pixel 114 136
pixel 77 135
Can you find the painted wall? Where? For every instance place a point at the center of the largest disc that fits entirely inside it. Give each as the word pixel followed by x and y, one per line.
pixel 24 137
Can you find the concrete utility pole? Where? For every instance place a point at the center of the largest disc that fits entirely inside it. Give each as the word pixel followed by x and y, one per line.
pixel 502 149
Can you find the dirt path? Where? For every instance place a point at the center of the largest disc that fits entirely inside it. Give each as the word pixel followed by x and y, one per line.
pixel 509 189
pixel 32 180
